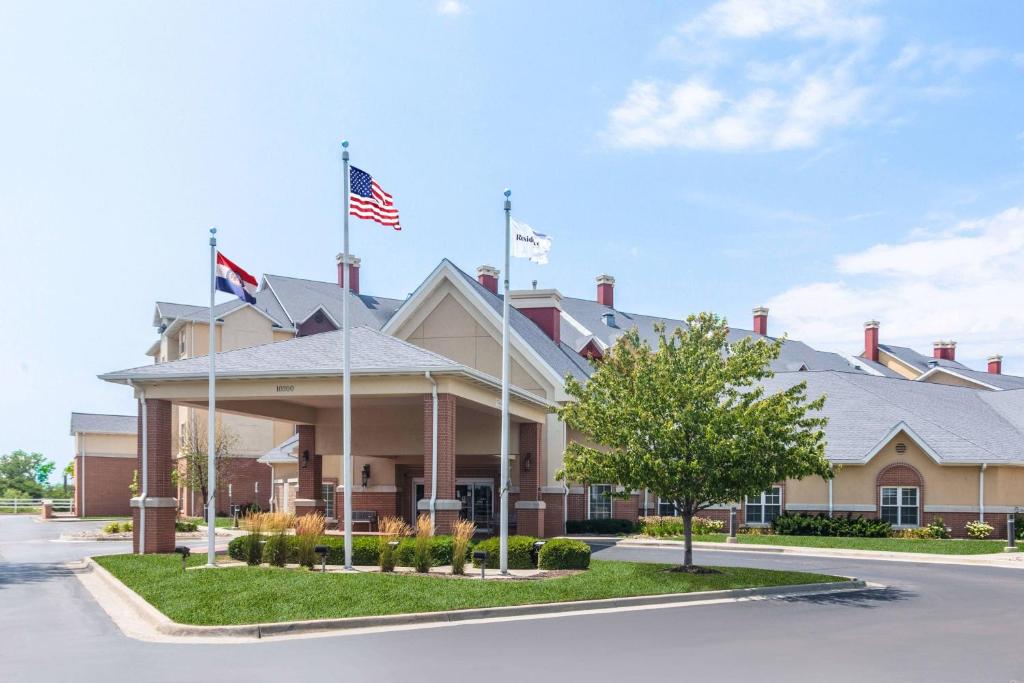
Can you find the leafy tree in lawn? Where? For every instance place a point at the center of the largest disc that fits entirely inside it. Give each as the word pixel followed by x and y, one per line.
pixel 26 473
pixel 193 464
pixel 690 422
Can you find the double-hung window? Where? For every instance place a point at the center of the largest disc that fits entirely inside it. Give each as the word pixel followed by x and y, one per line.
pixel 667 508
pixel 327 490
pixel 900 505
pixel 600 501
pixel 764 508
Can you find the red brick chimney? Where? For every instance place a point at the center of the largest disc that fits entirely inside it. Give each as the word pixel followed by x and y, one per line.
pixel 761 321
pixel 871 340
pixel 606 290
pixel 944 350
pixel 995 365
pixel 542 306
pixel 353 272
pixel 488 277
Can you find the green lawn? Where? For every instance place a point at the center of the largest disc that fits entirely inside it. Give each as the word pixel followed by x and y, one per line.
pixel 246 595
pixel 896 545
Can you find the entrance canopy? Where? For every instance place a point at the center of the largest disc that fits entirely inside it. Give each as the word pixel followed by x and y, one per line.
pixel 291 380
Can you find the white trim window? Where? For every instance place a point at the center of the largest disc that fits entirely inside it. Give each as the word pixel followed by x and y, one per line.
pixel 900 505
pixel 763 509
pixel 666 508
pixel 600 502
pixel 327 491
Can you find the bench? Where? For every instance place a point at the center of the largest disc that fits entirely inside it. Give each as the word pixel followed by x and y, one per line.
pixel 367 517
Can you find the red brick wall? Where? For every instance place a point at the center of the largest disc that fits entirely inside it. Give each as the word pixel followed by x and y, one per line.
pixel 159 521
pixel 445 444
pixel 626 509
pixel 104 485
pixel 311 471
pixel 531 448
pixel 553 515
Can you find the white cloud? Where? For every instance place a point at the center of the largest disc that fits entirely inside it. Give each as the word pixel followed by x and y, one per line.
pixel 828 72
pixel 451 8
pixel 964 283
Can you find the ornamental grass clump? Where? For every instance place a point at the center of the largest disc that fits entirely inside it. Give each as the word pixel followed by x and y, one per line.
pixel 462 534
pixel 422 556
pixel 251 550
pixel 308 530
pixel 391 529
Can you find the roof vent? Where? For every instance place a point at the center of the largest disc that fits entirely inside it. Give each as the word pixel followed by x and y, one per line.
pixel 608 319
pixel 901 448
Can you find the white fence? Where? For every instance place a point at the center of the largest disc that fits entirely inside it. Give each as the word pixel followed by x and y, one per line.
pixel 17 505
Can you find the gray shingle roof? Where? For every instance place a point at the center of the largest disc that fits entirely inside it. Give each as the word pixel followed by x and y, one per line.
pixel 795 355
pixel 958 424
pixel 301 298
pixel 318 354
pixel 99 423
pixel 919 361
pixel 998 381
pixel 562 359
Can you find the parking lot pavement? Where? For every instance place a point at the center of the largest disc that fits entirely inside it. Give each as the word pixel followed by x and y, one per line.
pixel 933 623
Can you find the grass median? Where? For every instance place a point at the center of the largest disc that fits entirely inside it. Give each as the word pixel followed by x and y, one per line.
pixel 896 545
pixel 250 595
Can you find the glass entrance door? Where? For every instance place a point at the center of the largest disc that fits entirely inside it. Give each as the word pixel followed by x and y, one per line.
pixel 477 501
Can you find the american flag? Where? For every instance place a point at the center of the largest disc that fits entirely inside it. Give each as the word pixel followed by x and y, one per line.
pixel 367 200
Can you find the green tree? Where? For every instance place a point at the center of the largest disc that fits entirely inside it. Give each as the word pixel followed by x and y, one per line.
pixel 690 421
pixel 27 473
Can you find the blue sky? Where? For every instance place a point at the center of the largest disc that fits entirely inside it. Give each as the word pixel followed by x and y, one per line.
pixel 835 161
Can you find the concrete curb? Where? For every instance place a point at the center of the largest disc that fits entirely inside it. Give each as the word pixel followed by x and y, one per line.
pixel 163 625
pixel 996 560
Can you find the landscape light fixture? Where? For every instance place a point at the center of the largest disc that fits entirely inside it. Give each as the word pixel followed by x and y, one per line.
pixel 732 524
pixel 1011 532
pixel 184 551
pixel 537 545
pixel 481 555
pixel 322 551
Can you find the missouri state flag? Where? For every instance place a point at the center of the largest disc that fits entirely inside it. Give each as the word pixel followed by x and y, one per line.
pixel 234 280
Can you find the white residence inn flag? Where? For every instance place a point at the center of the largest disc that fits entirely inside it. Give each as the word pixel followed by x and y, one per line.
pixel 528 243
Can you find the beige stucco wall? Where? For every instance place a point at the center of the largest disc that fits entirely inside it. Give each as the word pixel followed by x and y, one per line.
pixel 896 366
pixel 109 445
pixel 952 380
pixel 1004 486
pixel 806 491
pixel 452 331
pixel 943 484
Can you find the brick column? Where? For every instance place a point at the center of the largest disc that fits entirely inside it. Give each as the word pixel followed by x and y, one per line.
pixel 530 507
pixel 160 504
pixel 447 506
pixel 309 498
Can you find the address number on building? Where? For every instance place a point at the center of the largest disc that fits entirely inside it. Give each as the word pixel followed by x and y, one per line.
pixel 285 388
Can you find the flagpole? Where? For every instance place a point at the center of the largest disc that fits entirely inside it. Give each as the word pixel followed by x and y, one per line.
pixel 505 483
pixel 211 429
pixel 346 382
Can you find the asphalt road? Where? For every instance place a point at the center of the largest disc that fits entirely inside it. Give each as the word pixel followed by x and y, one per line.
pixel 933 623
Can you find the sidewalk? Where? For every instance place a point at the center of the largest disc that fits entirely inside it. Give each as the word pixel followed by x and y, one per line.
pixel 1006 560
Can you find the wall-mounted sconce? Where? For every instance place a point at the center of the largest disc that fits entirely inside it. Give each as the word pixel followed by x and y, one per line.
pixel 304 460
pixel 528 462
pixel 366 475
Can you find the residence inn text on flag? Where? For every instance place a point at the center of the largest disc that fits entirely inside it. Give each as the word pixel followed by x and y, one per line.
pixel 528 243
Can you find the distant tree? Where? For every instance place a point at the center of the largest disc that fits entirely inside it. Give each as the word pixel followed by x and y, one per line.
pixel 690 422
pixel 27 473
pixel 192 471
pixel 69 471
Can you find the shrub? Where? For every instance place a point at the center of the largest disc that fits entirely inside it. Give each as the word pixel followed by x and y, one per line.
pixel 422 558
pixel 802 524
pixel 462 535
pixel 249 546
pixel 978 529
pixel 365 549
pixel 112 528
pixel 276 549
pixel 600 526
pixel 308 529
pixel 520 552
pixel 391 529
pixel 186 525
pixel 919 532
pixel 440 551
pixel 564 553
pixel 938 528
pixel 673 526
